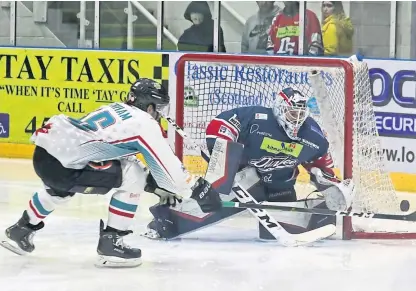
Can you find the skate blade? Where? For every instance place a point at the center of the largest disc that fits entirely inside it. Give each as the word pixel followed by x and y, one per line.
pixel 114 262
pixel 12 248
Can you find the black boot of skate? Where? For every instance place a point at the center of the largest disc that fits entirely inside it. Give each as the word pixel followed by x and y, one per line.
pixel 21 236
pixel 113 252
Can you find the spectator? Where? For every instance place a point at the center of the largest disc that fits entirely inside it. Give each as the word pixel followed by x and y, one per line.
pixel 284 32
pixel 200 36
pixel 256 29
pixel 337 29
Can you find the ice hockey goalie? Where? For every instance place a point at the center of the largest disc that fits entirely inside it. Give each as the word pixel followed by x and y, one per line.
pixel 277 141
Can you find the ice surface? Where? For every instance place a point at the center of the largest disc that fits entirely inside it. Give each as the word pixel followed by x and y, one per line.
pixel 224 257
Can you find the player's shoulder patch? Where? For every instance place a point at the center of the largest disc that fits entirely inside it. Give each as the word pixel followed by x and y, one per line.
pixel 262 113
pixel 262 116
pixel 234 121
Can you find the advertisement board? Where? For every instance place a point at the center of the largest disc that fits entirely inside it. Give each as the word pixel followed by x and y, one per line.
pixel 36 84
pixel 394 99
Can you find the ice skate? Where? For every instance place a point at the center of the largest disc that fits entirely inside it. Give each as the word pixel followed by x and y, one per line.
pixel 21 236
pixel 113 252
pixel 151 231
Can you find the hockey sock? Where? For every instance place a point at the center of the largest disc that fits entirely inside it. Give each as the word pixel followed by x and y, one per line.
pixel 42 204
pixel 123 206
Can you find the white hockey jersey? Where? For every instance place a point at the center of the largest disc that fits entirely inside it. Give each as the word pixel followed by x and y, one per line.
pixel 109 133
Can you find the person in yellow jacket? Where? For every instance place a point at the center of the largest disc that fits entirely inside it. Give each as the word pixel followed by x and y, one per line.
pixel 337 29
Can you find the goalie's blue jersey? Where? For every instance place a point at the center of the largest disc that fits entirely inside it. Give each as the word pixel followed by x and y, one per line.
pixel 267 147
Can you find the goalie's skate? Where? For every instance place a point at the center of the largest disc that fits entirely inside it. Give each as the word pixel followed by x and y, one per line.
pixel 113 252
pixel 151 232
pixel 20 236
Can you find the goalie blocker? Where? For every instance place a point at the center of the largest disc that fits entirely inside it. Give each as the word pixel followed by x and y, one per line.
pixel 222 173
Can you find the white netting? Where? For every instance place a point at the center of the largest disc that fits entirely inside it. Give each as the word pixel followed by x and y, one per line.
pixel 211 88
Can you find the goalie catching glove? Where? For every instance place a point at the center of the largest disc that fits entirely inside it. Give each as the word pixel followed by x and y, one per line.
pixel 165 197
pixel 338 194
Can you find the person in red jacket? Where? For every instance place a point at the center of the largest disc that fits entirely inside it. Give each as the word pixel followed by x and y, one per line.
pixel 284 32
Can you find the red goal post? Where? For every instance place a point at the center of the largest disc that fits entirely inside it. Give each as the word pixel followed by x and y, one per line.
pixel 346 82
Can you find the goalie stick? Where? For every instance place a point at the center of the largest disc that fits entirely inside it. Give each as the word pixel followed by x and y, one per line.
pixel 282 236
pixel 282 207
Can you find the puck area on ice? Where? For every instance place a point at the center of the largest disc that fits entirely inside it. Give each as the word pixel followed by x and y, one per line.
pixel 404 205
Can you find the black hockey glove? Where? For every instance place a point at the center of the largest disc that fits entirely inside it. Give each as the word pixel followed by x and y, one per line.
pixel 165 197
pixel 208 198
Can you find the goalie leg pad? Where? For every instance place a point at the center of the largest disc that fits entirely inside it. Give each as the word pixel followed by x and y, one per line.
pixel 286 195
pixel 317 221
pixel 170 223
pixel 222 169
pixel 223 165
pixel 187 216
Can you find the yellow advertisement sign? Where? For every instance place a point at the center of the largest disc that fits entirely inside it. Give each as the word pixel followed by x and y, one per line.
pixel 36 84
pixel 276 146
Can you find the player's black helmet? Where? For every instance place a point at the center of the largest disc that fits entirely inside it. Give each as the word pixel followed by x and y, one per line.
pixel 145 92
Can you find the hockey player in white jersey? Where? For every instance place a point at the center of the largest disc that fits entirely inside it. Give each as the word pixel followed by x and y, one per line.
pixel 88 156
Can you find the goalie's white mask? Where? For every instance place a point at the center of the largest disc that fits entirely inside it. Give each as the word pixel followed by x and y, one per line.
pixel 291 111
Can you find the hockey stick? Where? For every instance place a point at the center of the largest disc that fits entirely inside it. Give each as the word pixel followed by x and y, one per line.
pixel 178 129
pixel 281 235
pixel 275 206
pixel 182 133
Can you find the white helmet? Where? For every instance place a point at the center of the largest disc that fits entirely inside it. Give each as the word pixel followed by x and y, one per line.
pixel 291 111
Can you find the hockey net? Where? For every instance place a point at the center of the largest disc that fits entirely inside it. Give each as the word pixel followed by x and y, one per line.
pixel 341 102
